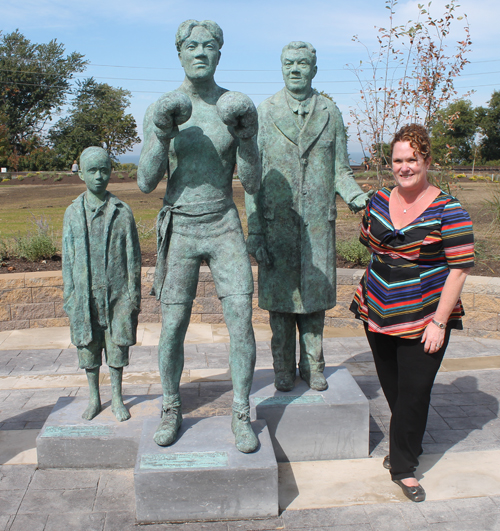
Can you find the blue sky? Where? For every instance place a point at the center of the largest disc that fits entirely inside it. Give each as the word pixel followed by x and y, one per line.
pixel 130 43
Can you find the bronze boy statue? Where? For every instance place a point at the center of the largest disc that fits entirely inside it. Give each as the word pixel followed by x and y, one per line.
pixel 102 279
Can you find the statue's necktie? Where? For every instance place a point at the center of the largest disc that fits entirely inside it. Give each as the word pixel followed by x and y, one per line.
pixel 302 114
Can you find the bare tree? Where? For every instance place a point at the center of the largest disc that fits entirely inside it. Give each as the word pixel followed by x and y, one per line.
pixel 410 77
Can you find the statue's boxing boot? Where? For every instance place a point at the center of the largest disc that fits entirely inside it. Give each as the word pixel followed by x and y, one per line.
pixel 171 420
pixel 245 439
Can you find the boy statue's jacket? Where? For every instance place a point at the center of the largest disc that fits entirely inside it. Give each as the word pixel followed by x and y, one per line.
pixel 122 271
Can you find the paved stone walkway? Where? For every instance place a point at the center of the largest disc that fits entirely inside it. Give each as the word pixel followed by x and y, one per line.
pixel 463 424
pixel 93 500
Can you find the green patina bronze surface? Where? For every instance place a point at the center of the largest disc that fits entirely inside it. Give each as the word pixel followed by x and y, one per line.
pixel 291 220
pixel 77 431
pixel 101 268
pixel 184 460
pixel 195 135
pixel 287 400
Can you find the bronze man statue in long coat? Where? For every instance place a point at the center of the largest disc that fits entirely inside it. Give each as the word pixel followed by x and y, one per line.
pixel 291 220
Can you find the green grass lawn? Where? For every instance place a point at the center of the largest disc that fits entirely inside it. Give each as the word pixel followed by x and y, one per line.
pixel 21 204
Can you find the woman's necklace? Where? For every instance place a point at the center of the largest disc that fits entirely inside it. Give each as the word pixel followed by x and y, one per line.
pixel 414 202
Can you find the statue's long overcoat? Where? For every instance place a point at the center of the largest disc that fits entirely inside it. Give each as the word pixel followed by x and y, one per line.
pixel 302 171
pixel 122 272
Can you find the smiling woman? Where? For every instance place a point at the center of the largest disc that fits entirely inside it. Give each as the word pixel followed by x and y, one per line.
pixel 413 191
pixel 409 299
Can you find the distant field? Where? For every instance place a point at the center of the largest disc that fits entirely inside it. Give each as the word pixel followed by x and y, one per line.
pixel 19 202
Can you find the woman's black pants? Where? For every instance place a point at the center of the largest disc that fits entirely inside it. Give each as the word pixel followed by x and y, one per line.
pixel 406 374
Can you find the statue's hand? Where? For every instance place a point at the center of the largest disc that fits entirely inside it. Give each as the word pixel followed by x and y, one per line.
pixel 256 246
pixel 237 110
pixel 360 202
pixel 170 111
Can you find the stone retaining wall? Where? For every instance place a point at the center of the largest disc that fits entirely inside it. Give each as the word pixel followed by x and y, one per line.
pixel 34 300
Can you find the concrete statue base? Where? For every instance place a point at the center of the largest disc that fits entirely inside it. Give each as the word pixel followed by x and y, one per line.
pixel 68 441
pixel 307 425
pixel 202 476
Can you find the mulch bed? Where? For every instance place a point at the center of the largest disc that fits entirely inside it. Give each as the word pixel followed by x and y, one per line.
pixel 484 269
pixel 53 264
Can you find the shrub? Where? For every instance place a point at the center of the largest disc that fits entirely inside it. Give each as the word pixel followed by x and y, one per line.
pixel 127 166
pixel 20 177
pixel 39 243
pixel 353 251
pixel 146 229
pixel 58 178
pixel 493 206
pixel 133 174
pixel 5 249
pixel 35 247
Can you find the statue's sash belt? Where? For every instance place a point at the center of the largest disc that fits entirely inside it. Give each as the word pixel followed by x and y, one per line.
pixel 163 222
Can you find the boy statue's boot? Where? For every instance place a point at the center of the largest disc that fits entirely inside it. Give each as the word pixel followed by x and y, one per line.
pixel 94 407
pixel 171 420
pixel 245 439
pixel 284 375
pixel 117 406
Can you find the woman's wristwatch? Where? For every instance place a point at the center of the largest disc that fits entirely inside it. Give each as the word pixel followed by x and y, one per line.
pixel 438 324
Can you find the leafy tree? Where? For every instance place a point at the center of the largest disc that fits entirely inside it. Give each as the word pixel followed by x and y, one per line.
pixel 325 94
pixel 96 118
pixel 38 156
pixel 453 133
pixel 34 83
pixel 409 78
pixel 489 122
pixel 4 141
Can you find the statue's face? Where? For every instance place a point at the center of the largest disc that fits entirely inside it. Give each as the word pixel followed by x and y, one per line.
pixel 298 70
pixel 96 172
pixel 199 54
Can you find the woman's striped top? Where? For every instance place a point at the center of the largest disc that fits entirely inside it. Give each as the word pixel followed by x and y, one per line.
pixel 399 293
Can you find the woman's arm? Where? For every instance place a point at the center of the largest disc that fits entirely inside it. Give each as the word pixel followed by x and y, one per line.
pixel 433 336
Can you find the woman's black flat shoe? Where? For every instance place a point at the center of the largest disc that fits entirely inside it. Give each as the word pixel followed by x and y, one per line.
pixel 386 463
pixel 415 494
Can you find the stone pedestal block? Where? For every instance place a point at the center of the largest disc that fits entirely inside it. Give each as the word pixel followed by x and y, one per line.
pixel 203 477
pixel 68 441
pixel 307 425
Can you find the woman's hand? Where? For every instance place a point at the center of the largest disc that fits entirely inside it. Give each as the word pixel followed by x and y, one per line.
pixel 433 338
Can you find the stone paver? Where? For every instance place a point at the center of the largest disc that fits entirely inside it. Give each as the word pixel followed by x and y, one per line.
pixel 463 417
